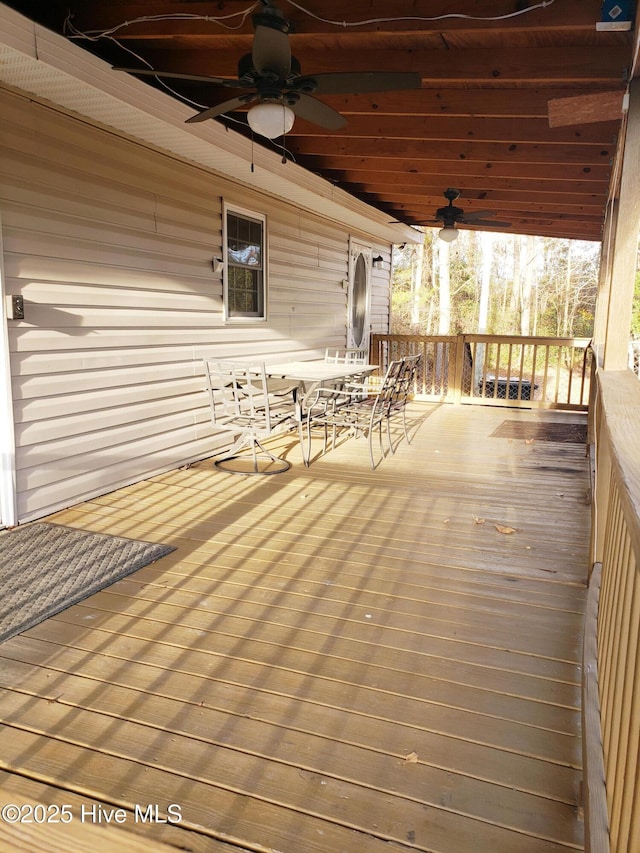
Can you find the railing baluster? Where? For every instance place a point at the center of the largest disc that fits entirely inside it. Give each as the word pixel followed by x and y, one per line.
pixel 533 370
pixel 570 357
pixel 487 358
pixel 509 370
pixel 424 361
pixel 558 371
pixel 520 377
pixel 545 378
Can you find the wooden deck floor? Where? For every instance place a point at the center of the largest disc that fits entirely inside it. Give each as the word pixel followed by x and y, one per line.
pixel 332 659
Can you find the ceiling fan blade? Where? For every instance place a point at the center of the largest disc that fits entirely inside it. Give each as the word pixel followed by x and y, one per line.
pixel 271 51
pixel 221 109
pixel 492 223
pixel 317 112
pixel 356 82
pixel 198 78
pixel 475 214
pixel 421 222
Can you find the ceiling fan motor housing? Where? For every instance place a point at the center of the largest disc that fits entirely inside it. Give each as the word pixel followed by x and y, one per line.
pixel 271 17
pixel 450 213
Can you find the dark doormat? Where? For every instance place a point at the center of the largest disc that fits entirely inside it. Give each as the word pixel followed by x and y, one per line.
pixel 45 568
pixel 531 430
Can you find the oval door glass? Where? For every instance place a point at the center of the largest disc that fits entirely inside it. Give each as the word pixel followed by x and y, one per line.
pixel 359 301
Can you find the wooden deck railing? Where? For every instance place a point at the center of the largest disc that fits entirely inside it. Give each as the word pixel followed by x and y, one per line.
pixel 612 631
pixel 494 370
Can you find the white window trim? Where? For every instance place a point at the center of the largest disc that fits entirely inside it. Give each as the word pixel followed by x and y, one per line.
pixel 260 217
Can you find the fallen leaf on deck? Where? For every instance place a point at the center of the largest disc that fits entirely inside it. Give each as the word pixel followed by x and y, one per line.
pixel 411 758
pixel 529 440
pixel 478 520
pixel 505 530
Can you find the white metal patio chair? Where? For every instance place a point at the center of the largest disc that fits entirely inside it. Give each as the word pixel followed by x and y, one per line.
pixel 404 386
pixel 366 414
pixel 360 416
pixel 346 356
pixel 357 386
pixel 240 403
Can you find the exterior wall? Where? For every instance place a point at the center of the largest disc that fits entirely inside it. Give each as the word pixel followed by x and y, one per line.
pixel 110 244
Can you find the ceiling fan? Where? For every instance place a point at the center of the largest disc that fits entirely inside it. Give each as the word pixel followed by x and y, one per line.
pixel 278 90
pixel 450 215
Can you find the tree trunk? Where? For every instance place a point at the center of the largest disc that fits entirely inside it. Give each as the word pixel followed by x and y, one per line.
pixel 445 288
pixel 567 295
pixel 527 285
pixel 416 286
pixel 486 244
pixel 445 311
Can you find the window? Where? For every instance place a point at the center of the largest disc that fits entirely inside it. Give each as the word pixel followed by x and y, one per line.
pixel 359 301
pixel 359 295
pixel 244 276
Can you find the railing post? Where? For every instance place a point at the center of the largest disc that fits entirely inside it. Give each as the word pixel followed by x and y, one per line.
pixel 602 485
pixel 375 351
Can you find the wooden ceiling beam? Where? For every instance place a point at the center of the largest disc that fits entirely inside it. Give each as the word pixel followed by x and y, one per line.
pixel 574 15
pixel 562 230
pixel 361 178
pixel 403 200
pixel 471 200
pixel 450 129
pixel 485 103
pixel 517 219
pixel 513 103
pixel 393 169
pixel 496 67
pixel 483 151
pixel 559 232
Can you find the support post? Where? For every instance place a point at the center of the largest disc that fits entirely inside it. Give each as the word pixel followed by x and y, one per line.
pixel 624 246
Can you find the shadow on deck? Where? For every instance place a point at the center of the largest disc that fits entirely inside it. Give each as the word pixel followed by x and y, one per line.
pixel 332 659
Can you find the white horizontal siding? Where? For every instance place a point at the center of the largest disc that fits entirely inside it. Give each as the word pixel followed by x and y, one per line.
pixel 110 244
pixel 380 316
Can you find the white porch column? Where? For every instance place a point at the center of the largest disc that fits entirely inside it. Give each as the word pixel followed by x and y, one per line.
pixel 620 252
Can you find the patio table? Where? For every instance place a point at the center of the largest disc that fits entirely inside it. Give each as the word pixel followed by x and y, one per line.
pixel 303 378
pixel 317 371
pixel 311 375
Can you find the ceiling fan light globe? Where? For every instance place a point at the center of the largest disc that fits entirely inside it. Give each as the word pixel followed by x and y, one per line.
pixel 449 233
pixel 271 120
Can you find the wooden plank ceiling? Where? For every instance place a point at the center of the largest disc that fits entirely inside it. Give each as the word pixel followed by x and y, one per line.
pixel 481 122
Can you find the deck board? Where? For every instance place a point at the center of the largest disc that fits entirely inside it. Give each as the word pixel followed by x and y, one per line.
pixel 332 658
